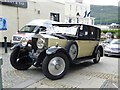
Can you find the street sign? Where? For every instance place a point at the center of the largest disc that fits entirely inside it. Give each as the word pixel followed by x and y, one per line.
pixel 15 3
pixel 3 24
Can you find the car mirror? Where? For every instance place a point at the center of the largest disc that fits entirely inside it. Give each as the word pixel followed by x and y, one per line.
pixel 37 31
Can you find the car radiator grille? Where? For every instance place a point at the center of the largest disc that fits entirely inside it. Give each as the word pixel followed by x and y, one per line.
pixel 115 49
pixel 16 38
pixel 34 44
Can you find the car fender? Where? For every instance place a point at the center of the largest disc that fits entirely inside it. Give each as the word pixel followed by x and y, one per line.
pixel 55 49
pixel 101 50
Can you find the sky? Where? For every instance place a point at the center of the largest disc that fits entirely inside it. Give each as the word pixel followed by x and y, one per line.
pixel 102 2
pixel 96 2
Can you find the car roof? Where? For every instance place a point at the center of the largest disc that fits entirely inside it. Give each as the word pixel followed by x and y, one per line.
pixel 72 24
pixel 41 22
pixel 38 22
pixel 48 23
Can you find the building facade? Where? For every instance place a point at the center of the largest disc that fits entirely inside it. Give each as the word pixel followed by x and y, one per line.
pixel 78 12
pixel 17 14
pixel 16 17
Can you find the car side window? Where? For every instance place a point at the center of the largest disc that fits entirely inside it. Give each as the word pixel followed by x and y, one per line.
pixel 83 33
pixel 98 34
pixel 94 33
pixel 42 29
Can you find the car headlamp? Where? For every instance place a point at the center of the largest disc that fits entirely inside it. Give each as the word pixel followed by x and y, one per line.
pixel 24 41
pixel 40 43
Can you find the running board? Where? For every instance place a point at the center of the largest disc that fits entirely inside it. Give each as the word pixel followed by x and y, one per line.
pixel 83 59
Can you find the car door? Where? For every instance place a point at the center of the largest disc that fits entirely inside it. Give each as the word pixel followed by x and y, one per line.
pixel 93 39
pixel 84 49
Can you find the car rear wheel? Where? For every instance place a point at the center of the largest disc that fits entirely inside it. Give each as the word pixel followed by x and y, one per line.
pixel 72 49
pixel 97 57
pixel 55 66
pixel 19 60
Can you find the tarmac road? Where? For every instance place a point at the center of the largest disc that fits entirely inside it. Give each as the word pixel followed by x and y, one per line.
pixel 85 75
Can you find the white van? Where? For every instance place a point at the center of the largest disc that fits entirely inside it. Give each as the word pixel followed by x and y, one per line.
pixel 30 29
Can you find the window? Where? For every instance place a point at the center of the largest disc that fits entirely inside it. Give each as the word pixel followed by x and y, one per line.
pixel 70 20
pixel 28 29
pixel 83 32
pixel 70 7
pixel 55 17
pixel 98 34
pixel 38 11
pixel 94 33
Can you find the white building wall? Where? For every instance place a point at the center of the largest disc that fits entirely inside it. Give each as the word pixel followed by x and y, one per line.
pixel 1 16
pixel 45 9
pixel 72 8
pixel 11 17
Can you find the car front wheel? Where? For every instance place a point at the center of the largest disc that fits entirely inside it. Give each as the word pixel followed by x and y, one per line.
pixel 20 60
pixel 97 57
pixel 55 66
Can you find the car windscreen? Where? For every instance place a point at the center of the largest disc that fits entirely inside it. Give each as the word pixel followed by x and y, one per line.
pixel 115 41
pixel 27 29
pixel 63 30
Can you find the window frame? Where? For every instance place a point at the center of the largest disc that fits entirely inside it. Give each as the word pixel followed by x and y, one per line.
pixel 94 37
pixel 81 27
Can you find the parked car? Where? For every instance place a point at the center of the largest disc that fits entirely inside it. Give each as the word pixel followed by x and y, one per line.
pixel 113 48
pixel 56 49
pixel 106 42
pixel 108 34
pixel 30 29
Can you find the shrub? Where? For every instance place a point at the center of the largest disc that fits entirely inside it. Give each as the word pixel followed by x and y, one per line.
pixel 117 34
pixel 114 32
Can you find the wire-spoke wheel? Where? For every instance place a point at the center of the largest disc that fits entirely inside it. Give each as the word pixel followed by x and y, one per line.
pixel 72 49
pixel 97 57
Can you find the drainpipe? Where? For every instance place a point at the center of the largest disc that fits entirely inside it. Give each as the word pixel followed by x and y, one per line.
pixel 1 62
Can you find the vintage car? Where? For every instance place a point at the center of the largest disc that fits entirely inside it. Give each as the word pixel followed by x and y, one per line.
pixel 56 49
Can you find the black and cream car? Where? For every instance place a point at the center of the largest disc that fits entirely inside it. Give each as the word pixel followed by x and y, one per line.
pixel 56 49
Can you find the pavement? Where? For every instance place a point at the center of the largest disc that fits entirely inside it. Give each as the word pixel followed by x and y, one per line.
pixel 85 75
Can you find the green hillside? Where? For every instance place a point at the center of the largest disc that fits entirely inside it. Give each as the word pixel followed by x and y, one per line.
pixel 104 14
